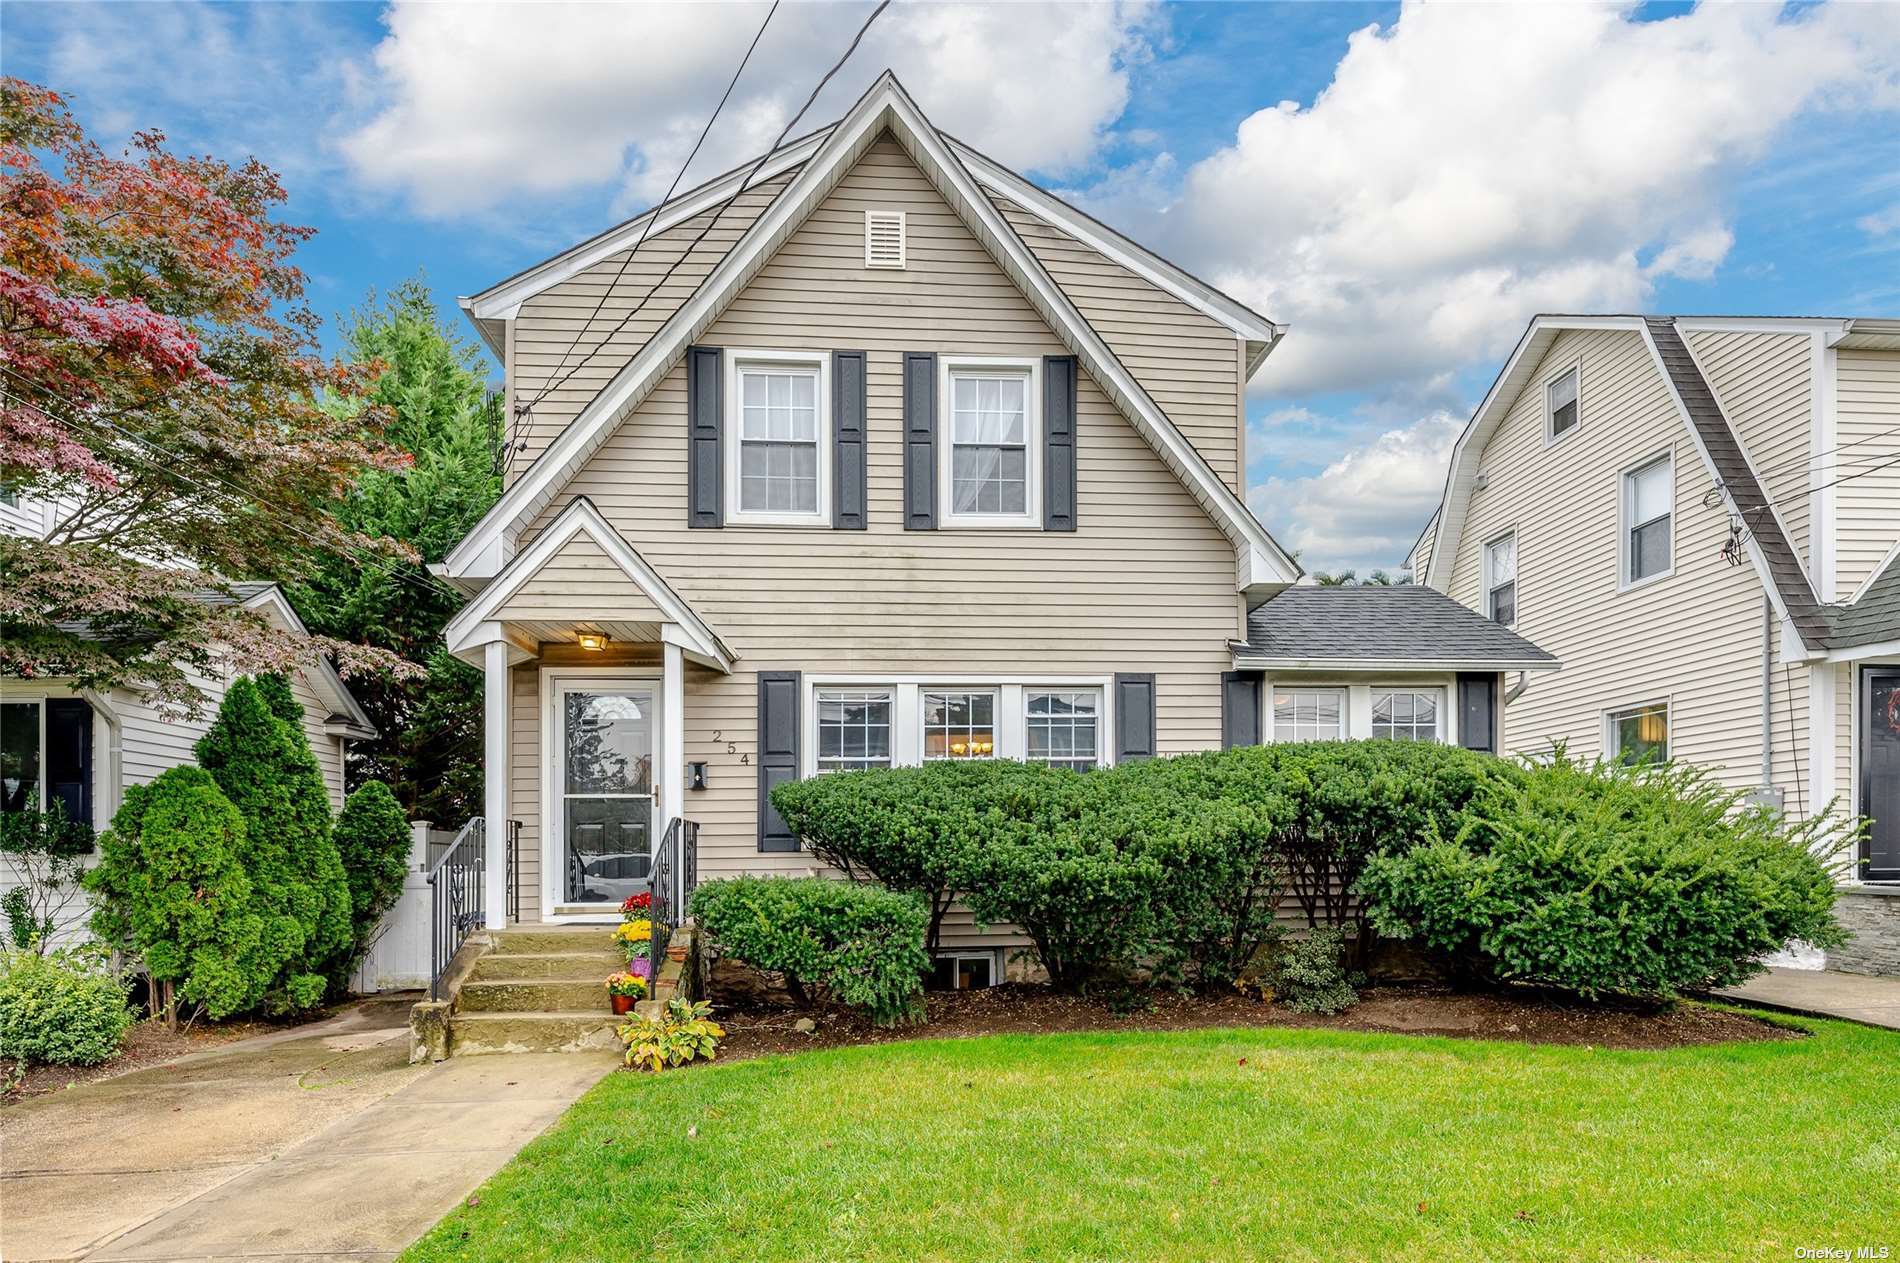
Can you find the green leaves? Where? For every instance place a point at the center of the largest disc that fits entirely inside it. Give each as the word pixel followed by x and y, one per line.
pixel 372 840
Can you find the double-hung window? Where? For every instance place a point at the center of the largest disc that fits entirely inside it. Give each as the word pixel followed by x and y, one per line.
pixel 854 729
pixel 1640 734
pixel 1309 714
pixel 1560 406
pixel 959 724
pixel 1500 580
pixel 1407 714
pixel 1649 493
pixel 776 474
pixel 1062 727
pixel 991 460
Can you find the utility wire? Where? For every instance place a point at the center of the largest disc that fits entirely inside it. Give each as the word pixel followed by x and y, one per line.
pixel 744 183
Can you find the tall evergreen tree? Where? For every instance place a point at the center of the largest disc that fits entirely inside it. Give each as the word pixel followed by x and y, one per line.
pixel 433 385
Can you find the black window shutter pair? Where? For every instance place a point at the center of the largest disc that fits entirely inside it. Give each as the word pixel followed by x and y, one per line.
pixel 1240 709
pixel 920 442
pixel 705 429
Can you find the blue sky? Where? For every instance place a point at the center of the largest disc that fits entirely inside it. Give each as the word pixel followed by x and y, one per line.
pixel 1403 186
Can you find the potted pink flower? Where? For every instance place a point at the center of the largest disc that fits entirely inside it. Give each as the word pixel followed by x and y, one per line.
pixel 625 988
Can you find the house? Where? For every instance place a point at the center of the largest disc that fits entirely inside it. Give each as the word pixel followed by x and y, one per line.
pixel 84 746
pixel 896 458
pixel 1701 517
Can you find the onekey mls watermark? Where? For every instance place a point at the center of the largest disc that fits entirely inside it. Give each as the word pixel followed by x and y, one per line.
pixel 1843 1252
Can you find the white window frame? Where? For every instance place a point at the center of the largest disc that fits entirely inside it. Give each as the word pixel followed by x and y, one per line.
pixel 997 743
pixel 863 692
pixel 1625 523
pixel 1612 748
pixel 1491 582
pixel 1101 742
pixel 903 237
pixel 1439 722
pixel 1343 692
pixel 1551 437
pixel 992 956
pixel 1029 367
pixel 737 362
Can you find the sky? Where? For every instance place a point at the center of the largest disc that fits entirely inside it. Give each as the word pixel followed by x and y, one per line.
pixel 1403 186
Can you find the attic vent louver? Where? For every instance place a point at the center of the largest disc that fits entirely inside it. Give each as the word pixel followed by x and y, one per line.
pixel 884 239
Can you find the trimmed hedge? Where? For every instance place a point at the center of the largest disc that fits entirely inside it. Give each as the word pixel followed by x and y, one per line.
pixel 860 945
pixel 62 1009
pixel 1595 878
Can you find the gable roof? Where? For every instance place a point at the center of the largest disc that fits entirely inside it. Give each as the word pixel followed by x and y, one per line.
pixel 1873 616
pixel 1765 539
pixel 477 623
pixel 1261 562
pixel 1373 627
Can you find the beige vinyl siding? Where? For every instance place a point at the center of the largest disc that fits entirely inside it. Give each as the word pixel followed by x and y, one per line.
pixel 1693 639
pixel 1867 426
pixel 154 742
pixel 1145 583
pixel 1186 361
pixel 556 322
pixel 580 583
pixel 1763 382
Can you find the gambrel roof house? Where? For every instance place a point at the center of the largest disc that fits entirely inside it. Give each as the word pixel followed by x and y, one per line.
pixel 1701 517
pixel 874 455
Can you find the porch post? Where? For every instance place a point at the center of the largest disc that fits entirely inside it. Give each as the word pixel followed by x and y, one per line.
pixel 495 768
pixel 673 736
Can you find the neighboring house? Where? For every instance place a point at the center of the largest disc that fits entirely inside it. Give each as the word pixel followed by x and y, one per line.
pixel 1701 517
pixel 908 460
pixel 84 747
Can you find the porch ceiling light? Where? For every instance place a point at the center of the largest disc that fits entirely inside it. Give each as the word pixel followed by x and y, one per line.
pixel 593 641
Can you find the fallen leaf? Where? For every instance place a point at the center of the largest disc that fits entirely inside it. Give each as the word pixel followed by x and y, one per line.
pixel 692 1131
pixel 1421 1208
pixel 1527 1216
pixel 1243 1061
pixel 474 1199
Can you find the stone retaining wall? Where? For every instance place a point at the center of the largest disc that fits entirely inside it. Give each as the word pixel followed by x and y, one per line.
pixel 1872 916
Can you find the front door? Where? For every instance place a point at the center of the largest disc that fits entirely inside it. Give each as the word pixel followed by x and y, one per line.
pixel 605 786
pixel 1880 772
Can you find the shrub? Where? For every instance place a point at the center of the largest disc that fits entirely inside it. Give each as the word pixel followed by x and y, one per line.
pixel 1602 878
pixel 64 1008
pixel 924 830
pixel 1310 975
pixel 45 849
pixel 170 887
pixel 262 761
pixel 683 1032
pixel 373 842
pixel 857 944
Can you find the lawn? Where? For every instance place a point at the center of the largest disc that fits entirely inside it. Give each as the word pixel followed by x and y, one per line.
pixel 1218 1145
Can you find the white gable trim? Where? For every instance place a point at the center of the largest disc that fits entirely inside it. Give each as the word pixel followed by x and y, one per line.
pixel 1260 560
pixel 320 674
pixel 476 624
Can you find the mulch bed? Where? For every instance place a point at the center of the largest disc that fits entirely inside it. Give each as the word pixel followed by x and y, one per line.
pixel 147 1044
pixel 1021 1009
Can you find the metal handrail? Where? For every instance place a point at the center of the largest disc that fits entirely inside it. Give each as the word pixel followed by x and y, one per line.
pixel 672 875
pixel 458 898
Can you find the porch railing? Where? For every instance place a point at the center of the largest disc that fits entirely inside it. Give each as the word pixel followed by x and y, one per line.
pixel 675 872
pixel 458 898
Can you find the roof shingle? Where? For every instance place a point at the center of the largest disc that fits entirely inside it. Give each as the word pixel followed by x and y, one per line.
pixel 1404 623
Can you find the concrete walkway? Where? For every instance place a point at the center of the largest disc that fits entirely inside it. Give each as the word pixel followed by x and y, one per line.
pixel 1824 993
pixel 316 1144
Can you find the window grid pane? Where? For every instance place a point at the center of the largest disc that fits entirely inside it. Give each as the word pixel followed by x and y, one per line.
pixel 854 730
pixel 1061 729
pixel 1649 548
pixel 959 725
pixel 1562 396
pixel 778 441
pixel 1308 714
pixel 989 458
pixel 1406 714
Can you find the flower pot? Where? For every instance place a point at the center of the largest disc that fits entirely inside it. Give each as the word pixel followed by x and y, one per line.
pixel 623 1004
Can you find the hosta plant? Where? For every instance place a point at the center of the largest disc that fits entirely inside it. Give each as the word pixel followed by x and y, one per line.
pixel 684 1032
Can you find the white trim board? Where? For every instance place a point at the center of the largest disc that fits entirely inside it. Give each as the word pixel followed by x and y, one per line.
pixel 1260 561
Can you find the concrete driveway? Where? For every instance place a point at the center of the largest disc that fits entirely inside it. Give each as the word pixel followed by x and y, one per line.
pixel 316 1143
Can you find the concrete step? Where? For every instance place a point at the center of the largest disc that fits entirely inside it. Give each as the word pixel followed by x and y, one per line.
pixel 541 940
pixel 566 966
pixel 471 1034
pixel 534 995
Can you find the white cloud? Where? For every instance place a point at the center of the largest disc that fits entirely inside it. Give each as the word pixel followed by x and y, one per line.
pixel 481 104
pixel 1881 223
pixel 1473 164
pixel 1365 509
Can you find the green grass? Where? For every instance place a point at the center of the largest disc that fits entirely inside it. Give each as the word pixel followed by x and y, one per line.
pixel 1322 1146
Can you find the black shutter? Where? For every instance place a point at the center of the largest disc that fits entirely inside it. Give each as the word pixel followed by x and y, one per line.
pixel 1477 711
pixel 69 755
pixel 779 728
pixel 920 441
pixel 705 421
pixel 1058 443
pixel 847 440
pixel 1239 709
pixel 1134 717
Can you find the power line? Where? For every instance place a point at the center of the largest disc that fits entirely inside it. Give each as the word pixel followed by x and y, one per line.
pixel 744 183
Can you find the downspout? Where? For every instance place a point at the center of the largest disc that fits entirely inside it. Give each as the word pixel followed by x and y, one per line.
pixel 1767 695
pixel 1517 690
pixel 115 751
